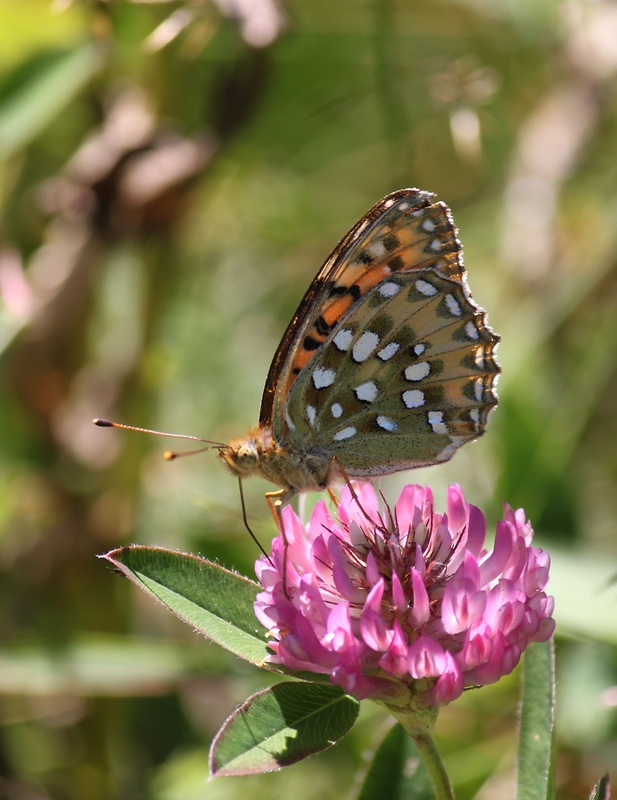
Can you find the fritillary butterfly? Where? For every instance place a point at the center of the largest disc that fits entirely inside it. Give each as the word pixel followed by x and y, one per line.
pixel 388 364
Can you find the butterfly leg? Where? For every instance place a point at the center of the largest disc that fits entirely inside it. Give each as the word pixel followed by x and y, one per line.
pixel 333 497
pixel 276 500
pixel 337 470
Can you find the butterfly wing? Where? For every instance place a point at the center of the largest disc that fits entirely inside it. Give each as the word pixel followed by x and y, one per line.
pixel 356 264
pixel 388 363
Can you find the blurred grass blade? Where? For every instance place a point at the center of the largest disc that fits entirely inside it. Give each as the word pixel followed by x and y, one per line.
pixel 98 665
pixel 602 789
pixel 216 601
pixel 280 726
pixel 535 753
pixel 396 771
pixel 35 93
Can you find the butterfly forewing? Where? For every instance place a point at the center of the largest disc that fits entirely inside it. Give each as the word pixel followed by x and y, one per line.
pixel 406 374
pixel 383 241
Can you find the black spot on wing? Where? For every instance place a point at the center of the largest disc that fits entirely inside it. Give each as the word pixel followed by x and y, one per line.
pixel 322 327
pixel 391 242
pixel 310 344
pixel 339 290
pixel 396 263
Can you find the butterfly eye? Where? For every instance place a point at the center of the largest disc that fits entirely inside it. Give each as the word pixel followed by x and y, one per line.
pixel 246 455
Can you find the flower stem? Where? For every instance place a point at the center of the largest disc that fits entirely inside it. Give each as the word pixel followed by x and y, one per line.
pixel 419 725
pixel 434 765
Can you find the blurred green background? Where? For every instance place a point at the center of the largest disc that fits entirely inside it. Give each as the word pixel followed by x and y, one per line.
pixel 173 174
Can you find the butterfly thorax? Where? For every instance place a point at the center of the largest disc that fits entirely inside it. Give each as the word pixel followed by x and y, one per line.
pixel 292 469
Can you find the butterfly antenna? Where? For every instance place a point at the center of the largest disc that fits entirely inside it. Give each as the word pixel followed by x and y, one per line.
pixel 170 456
pixel 246 523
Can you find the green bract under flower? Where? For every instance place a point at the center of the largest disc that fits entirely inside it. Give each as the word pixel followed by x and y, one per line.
pixel 405 600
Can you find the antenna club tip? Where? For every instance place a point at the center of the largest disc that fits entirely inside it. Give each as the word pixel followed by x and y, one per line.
pixel 169 456
pixel 102 423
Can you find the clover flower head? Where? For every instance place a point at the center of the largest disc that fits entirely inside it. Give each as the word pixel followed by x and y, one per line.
pixel 403 602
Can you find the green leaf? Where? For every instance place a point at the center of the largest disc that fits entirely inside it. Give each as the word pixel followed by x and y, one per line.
pixel 535 753
pixel 281 725
pixel 397 770
pixel 216 601
pixel 33 95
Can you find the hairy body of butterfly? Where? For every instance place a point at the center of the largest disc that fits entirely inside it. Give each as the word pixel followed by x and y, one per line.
pixel 281 463
pixel 388 364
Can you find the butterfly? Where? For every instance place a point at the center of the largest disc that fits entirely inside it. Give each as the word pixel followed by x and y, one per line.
pixel 387 364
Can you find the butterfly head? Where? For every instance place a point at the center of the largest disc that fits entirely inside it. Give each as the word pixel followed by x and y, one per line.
pixel 241 456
